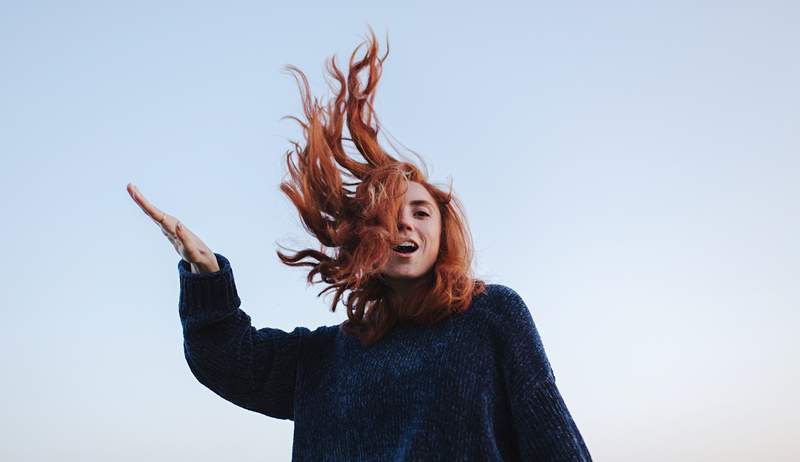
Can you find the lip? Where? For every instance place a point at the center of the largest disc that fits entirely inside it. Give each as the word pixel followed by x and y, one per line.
pixel 405 255
pixel 412 240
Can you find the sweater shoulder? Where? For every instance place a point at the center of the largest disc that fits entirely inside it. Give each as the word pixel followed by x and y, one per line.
pixel 500 300
pixel 503 310
pixel 511 324
pixel 501 290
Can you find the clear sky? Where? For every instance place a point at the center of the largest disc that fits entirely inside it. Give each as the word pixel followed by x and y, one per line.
pixel 631 170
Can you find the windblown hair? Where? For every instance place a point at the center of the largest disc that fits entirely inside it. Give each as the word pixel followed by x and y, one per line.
pixel 357 220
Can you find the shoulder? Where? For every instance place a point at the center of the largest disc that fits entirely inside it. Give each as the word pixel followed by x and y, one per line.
pixel 501 309
pixel 502 292
pixel 511 326
pixel 321 336
pixel 500 300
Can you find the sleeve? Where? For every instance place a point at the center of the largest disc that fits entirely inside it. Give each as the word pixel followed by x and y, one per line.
pixel 543 427
pixel 252 368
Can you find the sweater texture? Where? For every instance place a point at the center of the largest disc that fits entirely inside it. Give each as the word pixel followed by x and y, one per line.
pixel 477 386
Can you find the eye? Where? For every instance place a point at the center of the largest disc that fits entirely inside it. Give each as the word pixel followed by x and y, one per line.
pixel 423 213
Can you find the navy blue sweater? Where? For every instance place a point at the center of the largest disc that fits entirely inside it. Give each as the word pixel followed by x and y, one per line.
pixel 475 387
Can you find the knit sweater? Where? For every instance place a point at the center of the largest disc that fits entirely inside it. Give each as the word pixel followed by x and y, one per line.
pixel 477 386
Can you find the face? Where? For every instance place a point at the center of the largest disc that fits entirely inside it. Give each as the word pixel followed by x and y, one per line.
pixel 420 222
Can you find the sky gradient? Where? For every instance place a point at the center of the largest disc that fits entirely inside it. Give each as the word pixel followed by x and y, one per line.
pixel 631 171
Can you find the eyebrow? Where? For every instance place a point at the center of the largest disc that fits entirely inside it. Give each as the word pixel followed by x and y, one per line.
pixel 421 202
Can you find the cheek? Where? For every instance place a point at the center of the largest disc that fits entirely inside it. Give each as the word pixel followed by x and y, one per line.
pixel 434 237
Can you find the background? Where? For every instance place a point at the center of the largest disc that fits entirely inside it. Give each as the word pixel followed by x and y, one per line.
pixel 630 169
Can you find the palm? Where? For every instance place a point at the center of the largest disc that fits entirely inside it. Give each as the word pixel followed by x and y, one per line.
pixel 190 247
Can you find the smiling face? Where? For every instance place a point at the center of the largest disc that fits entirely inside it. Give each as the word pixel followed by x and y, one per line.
pixel 421 222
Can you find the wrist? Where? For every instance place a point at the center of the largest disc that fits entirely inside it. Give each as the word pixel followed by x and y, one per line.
pixel 210 266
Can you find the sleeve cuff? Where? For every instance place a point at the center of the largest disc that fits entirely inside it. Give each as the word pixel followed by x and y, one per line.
pixel 206 297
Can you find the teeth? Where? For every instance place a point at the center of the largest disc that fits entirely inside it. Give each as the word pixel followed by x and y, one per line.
pixel 408 243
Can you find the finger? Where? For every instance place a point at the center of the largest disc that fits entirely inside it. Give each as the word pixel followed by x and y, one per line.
pixel 140 200
pixel 151 210
pixel 154 212
pixel 170 226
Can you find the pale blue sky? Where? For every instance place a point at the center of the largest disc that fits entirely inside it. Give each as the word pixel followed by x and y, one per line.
pixel 631 170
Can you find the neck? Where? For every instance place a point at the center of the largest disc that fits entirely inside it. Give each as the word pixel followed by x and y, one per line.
pixel 403 289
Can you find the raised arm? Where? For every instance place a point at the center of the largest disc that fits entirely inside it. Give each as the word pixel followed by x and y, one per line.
pixel 252 368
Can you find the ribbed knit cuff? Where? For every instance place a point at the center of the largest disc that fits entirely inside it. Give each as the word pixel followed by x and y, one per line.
pixel 206 297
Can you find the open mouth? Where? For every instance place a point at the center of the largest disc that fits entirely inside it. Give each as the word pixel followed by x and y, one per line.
pixel 406 248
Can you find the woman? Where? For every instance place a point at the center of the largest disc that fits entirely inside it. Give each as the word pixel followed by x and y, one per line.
pixel 432 364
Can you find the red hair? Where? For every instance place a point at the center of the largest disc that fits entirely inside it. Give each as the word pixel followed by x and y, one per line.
pixel 359 226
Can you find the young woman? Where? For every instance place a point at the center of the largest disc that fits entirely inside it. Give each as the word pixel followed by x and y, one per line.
pixel 432 364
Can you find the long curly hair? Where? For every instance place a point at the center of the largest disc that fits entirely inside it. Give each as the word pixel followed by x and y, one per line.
pixel 352 209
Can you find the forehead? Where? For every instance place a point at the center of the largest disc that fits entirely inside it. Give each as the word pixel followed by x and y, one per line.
pixel 417 192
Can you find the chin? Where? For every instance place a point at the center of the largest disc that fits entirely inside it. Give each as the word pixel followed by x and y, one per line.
pixel 406 272
pixel 407 275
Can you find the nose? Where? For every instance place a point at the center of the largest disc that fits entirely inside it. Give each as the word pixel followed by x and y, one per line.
pixel 404 221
